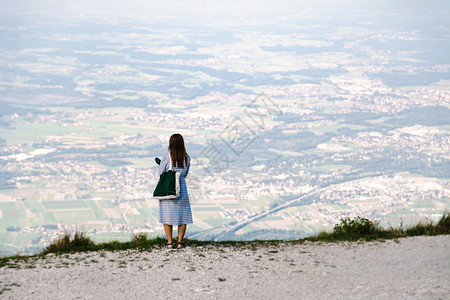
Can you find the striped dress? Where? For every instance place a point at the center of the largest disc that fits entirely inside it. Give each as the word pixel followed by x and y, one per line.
pixel 175 211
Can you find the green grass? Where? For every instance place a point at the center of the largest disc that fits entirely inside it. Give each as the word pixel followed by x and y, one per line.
pixel 62 205
pixel 364 229
pixel 73 216
pixel 65 243
pixel 25 133
pixel 347 230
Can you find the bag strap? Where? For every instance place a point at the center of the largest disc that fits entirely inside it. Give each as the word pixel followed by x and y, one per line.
pixel 170 162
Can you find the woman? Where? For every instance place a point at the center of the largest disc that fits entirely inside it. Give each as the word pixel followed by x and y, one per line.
pixel 176 211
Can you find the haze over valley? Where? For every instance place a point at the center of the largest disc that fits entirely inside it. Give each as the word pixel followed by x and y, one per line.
pixel 294 114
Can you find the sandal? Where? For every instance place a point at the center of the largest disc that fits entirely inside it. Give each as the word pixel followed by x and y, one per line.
pixel 180 245
pixel 169 245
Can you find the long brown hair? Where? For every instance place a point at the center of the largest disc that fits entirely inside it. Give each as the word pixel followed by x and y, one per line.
pixel 178 151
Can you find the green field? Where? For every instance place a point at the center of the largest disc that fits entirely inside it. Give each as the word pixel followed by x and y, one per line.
pixel 64 205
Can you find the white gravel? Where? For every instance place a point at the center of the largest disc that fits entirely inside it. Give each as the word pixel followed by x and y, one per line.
pixel 409 268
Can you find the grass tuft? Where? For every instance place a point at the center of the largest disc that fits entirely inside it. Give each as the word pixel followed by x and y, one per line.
pixel 140 240
pixel 444 223
pixel 442 227
pixel 79 242
pixel 357 226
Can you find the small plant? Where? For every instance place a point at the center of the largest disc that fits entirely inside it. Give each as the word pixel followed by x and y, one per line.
pixel 139 239
pixel 442 227
pixel 357 226
pixel 222 279
pixel 80 242
pixel 444 223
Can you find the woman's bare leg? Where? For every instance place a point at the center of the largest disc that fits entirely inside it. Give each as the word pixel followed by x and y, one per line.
pixel 181 232
pixel 168 230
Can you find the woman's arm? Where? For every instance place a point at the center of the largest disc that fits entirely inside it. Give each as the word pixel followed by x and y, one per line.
pixel 163 166
pixel 188 166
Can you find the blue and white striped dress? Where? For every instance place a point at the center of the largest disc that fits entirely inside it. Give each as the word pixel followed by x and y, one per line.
pixel 175 211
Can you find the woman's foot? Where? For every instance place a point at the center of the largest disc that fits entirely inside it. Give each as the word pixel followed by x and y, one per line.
pixel 169 246
pixel 180 245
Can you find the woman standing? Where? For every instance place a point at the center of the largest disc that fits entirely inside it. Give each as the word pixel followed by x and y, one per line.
pixel 176 211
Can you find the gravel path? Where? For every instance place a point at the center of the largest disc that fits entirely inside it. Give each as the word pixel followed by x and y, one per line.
pixel 410 268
